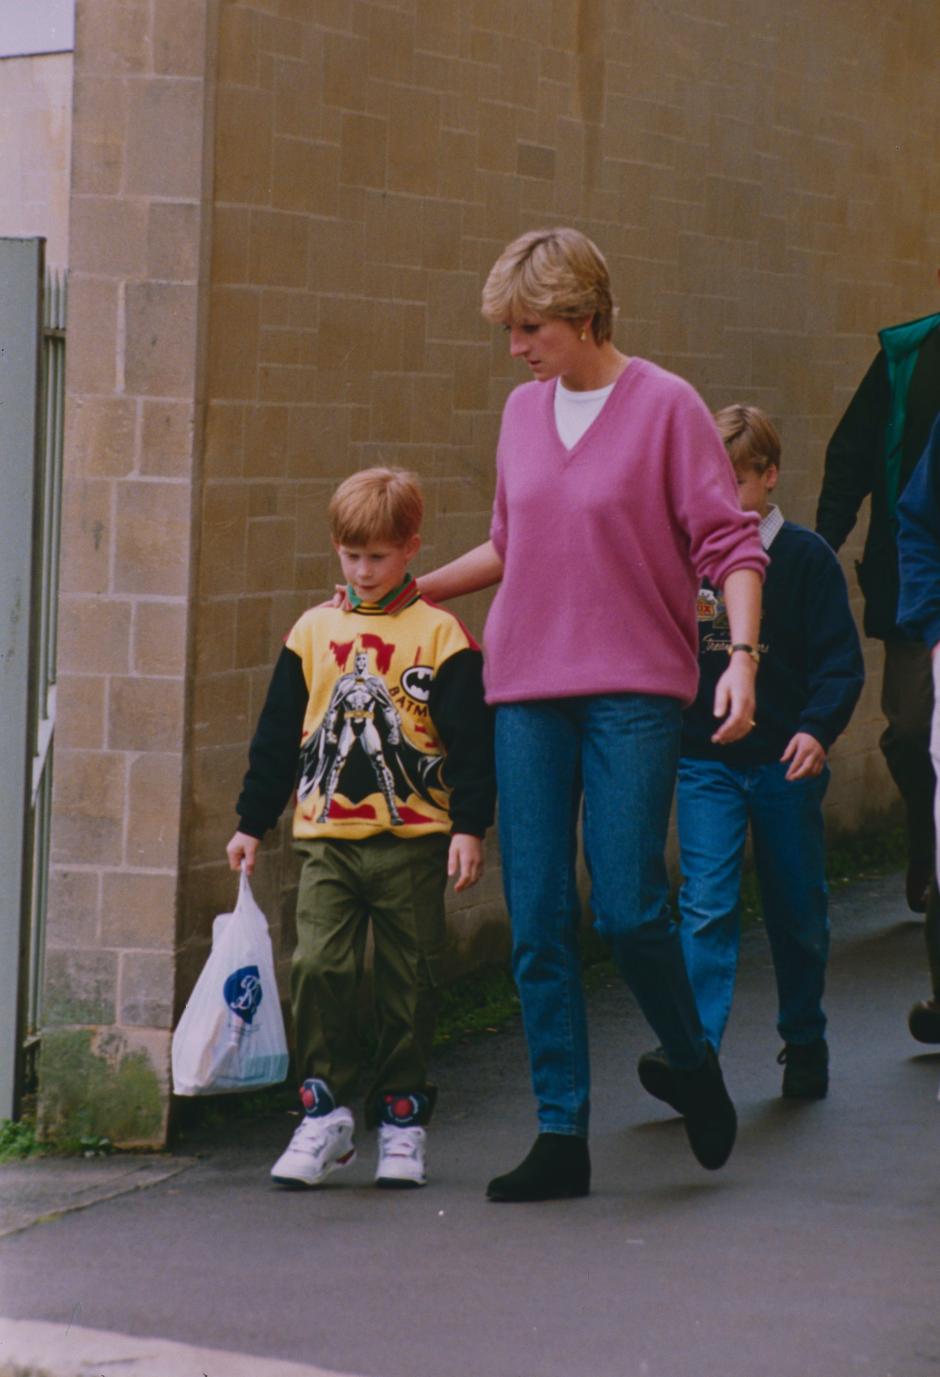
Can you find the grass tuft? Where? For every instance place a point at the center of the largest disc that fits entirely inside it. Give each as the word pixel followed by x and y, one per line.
pixel 18 1140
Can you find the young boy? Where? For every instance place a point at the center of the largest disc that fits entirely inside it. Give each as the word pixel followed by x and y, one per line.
pixel 809 678
pixel 376 713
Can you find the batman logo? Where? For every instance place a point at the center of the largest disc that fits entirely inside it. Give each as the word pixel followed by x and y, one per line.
pixel 416 682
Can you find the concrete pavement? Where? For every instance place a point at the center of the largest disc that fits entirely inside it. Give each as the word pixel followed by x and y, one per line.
pixel 812 1254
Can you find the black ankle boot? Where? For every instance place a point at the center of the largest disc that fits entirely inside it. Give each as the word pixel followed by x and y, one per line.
pixel 711 1123
pixel 658 1078
pixel 557 1168
pixel 805 1070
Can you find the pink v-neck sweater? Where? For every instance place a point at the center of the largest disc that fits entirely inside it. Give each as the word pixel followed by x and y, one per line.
pixel 604 545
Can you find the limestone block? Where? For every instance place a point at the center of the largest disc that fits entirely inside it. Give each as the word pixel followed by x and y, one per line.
pixel 138 910
pixel 306 176
pixel 152 552
pixel 146 989
pixel 166 446
pixel 94 637
pixel 173 241
pixel 73 909
pixel 158 643
pixel 164 139
pixel 80 711
pixel 145 714
pixel 89 796
pixel 233 348
pixel 153 811
pixel 160 339
pixel 87 528
pixel 93 317
pixel 101 436
pixel 179 37
pixel 243 146
pixel 81 986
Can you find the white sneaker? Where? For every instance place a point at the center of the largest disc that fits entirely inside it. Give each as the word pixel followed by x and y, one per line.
pixel 401 1157
pixel 320 1145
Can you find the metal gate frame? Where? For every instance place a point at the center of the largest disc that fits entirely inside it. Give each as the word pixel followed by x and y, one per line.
pixel 32 377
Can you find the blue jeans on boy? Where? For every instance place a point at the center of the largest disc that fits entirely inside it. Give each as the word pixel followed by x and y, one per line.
pixel 715 805
pixel 620 751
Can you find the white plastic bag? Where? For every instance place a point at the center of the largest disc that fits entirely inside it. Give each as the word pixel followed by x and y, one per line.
pixel 231 1035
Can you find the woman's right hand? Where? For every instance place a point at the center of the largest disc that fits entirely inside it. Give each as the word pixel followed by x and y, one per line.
pixel 339 598
pixel 242 848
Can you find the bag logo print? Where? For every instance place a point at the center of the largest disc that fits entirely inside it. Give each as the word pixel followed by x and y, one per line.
pixel 242 992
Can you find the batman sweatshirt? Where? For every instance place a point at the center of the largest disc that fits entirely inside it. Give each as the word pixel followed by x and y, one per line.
pixel 376 716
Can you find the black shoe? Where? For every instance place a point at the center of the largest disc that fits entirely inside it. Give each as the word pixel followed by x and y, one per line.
pixel 711 1123
pixel 924 1020
pixel 658 1078
pixel 805 1070
pixel 920 871
pixel 557 1168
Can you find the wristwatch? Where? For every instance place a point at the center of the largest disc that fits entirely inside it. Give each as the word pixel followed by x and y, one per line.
pixel 748 650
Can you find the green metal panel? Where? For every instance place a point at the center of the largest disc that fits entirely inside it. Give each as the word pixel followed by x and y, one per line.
pixel 21 271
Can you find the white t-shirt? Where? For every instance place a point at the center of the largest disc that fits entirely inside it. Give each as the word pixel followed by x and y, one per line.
pixel 574 411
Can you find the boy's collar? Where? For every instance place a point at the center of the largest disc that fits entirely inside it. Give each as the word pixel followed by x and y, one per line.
pixel 770 526
pixel 399 598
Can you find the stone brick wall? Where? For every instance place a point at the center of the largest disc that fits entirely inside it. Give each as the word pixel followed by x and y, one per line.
pixel 130 489
pixel 767 197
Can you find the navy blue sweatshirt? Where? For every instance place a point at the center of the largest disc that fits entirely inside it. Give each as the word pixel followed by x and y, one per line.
pixel 811 671
pixel 919 546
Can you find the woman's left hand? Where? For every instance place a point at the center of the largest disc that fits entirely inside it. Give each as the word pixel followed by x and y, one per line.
pixel 806 755
pixel 735 700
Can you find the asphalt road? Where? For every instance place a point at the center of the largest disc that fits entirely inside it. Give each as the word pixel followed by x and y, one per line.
pixel 812 1254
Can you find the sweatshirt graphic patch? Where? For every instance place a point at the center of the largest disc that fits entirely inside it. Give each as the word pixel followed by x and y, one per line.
pixel 361 748
pixel 370 759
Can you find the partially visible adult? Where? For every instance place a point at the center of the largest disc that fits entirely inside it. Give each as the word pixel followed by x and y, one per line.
pixel 919 614
pixel 613 497
pixel 872 453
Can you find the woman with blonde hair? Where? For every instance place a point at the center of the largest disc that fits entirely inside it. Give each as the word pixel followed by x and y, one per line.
pixel 614 496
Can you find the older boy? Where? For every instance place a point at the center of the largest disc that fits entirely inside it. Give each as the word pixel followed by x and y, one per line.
pixel 376 713
pixel 808 683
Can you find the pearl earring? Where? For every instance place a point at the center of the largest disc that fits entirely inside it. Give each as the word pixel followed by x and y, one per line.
pixel 583 336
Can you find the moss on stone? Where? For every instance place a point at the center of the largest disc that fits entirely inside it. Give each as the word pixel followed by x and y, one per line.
pixel 94 1086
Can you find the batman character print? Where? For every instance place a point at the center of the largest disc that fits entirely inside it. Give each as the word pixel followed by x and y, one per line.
pixel 360 747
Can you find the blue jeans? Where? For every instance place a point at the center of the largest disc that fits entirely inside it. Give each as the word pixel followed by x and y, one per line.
pixel 715 805
pixel 620 751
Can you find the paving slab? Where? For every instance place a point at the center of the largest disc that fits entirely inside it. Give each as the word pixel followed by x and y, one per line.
pixel 42 1188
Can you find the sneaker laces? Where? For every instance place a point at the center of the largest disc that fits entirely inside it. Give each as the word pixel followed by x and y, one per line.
pixel 311 1135
pixel 401 1142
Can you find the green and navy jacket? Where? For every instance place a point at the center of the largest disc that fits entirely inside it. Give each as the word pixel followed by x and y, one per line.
pixel 375 715
pixel 874 451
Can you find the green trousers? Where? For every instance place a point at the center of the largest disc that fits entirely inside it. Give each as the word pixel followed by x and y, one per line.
pixel 399 884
